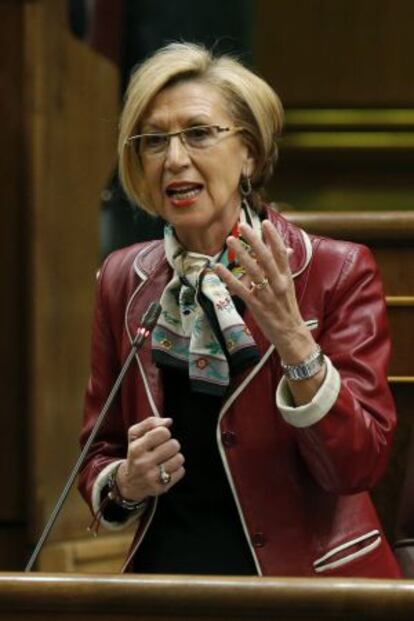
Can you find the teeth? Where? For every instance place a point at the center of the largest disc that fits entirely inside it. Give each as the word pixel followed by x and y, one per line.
pixel 185 192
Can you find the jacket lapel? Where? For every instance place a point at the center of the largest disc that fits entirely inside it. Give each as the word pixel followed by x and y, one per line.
pixel 152 275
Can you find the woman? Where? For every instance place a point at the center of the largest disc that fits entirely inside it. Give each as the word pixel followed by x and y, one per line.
pixel 245 440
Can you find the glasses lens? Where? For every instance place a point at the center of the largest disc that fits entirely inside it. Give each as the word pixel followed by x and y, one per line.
pixel 201 137
pixel 153 143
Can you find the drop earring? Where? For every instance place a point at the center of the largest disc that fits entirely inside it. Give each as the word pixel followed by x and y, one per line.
pixel 245 186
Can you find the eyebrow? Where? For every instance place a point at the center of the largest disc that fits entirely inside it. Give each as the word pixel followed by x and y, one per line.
pixel 191 122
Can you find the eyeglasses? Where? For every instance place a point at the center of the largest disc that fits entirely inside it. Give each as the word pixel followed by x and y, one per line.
pixel 197 137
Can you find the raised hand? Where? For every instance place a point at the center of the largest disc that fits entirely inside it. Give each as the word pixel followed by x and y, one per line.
pixel 268 290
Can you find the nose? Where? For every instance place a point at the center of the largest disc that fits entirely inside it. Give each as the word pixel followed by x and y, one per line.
pixel 176 156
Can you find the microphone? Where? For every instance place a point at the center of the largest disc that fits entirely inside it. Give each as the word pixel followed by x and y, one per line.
pixel 148 321
pixel 147 324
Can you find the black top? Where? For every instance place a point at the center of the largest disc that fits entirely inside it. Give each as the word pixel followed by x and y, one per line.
pixel 196 528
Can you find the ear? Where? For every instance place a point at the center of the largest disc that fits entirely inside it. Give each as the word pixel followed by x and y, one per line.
pixel 249 165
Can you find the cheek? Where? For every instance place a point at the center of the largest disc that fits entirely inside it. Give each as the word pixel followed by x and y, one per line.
pixel 230 179
pixel 152 180
pixel 225 177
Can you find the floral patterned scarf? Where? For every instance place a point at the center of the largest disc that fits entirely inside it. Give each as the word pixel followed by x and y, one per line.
pixel 199 327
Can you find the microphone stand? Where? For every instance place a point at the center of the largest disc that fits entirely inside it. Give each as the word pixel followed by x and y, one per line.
pixel 148 322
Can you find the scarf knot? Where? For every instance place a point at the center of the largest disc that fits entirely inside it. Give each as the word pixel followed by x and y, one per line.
pixel 199 327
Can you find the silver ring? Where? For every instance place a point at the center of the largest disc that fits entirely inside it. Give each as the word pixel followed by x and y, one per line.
pixel 261 284
pixel 165 476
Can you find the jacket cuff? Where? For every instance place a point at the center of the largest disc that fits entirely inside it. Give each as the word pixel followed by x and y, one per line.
pixel 315 410
pixel 124 518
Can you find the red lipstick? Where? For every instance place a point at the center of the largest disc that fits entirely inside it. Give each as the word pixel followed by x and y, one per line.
pixel 183 193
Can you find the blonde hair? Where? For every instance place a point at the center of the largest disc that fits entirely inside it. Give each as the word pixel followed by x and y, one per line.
pixel 253 105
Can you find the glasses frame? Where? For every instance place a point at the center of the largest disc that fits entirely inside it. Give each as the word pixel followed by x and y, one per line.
pixel 182 136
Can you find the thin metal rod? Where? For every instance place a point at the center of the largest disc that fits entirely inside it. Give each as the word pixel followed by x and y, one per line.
pixel 81 458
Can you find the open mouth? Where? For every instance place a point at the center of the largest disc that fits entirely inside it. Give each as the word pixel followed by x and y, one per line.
pixel 184 192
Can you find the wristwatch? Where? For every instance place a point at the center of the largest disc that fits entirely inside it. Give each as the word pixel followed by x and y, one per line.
pixel 115 495
pixel 306 369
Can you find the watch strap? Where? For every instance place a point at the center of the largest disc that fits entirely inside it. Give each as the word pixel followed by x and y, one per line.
pixel 306 369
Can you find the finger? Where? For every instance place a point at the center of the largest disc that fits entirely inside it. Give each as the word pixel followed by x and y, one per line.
pixel 272 265
pixel 174 463
pixel 148 482
pixel 250 264
pixel 255 278
pixel 277 247
pixel 165 451
pixel 175 477
pixel 151 440
pixel 144 466
pixel 152 422
pixel 235 286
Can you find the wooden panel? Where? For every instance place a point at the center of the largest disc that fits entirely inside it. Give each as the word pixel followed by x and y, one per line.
pixel 402 334
pixel 105 554
pixel 202 598
pixel 343 70
pixel 13 548
pixel 387 228
pixel 13 344
pixel 347 52
pixel 388 494
pixel 395 267
pixel 72 107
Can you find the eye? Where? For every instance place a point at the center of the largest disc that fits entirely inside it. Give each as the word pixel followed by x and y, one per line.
pixel 153 142
pixel 201 135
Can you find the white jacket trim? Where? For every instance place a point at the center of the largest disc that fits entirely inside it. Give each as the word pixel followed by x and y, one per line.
pixel 320 565
pixel 222 451
pixel 308 253
pixel 139 363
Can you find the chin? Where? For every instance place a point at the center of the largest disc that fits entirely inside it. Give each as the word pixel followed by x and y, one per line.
pixel 187 216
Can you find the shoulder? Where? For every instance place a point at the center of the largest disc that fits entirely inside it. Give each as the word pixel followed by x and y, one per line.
pixel 124 268
pixel 325 256
pixel 140 259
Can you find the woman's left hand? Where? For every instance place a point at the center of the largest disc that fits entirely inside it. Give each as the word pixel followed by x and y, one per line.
pixel 268 290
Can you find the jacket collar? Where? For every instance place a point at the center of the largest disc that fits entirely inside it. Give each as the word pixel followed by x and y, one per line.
pixel 149 257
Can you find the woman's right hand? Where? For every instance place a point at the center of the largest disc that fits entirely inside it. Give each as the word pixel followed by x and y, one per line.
pixel 150 446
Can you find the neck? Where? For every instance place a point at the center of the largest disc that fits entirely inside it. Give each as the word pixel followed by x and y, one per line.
pixel 209 240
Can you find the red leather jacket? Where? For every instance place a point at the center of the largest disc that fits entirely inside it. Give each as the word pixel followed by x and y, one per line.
pixel 301 492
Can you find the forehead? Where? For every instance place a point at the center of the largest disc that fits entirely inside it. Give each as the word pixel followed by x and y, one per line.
pixel 185 102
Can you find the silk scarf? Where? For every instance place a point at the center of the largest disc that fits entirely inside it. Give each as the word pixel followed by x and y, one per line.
pixel 199 327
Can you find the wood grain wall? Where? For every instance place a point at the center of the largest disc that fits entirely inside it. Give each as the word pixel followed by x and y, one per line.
pixel 71 107
pixel 336 53
pixel 60 102
pixel 343 69
pixel 13 283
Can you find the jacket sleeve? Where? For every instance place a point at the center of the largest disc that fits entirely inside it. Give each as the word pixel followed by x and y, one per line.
pixel 109 445
pixel 347 446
